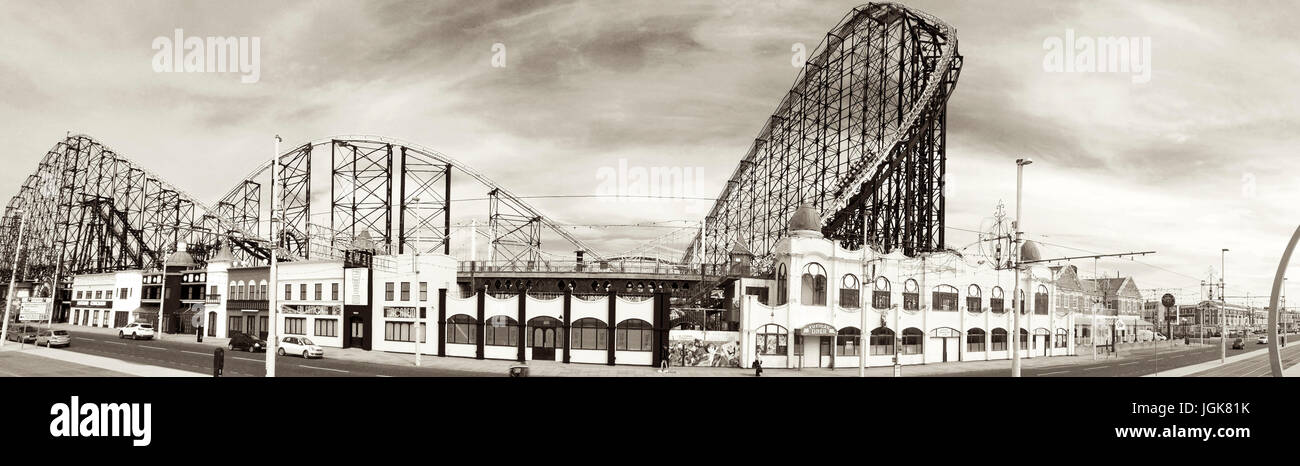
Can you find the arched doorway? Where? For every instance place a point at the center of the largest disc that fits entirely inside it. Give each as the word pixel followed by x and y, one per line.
pixel 948 343
pixel 544 336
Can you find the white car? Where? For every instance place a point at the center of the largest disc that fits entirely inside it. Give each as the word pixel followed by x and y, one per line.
pixel 136 331
pixel 300 345
pixel 1262 340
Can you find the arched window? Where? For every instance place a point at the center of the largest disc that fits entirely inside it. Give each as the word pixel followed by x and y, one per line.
pixel 501 331
pixel 1024 339
pixel 882 342
pixel 462 329
pixel 1023 310
pixel 782 286
pixel 998 340
pixel 849 342
pixel 1061 335
pixel 973 301
pixel 996 301
pixel 261 291
pixel 1040 301
pixel 880 293
pixel 634 335
pixel 913 340
pixel 771 339
pixel 911 295
pixel 813 285
pixel 590 333
pixel 545 332
pixel 945 298
pixel 849 296
pixel 975 340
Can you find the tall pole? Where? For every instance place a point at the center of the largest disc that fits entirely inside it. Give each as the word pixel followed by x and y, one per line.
pixel 13 274
pixel 1223 308
pixel 272 302
pixel 162 298
pixel 862 302
pixel 415 264
pixel 1015 294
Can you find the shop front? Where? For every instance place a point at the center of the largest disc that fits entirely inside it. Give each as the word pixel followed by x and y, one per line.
pixel 815 345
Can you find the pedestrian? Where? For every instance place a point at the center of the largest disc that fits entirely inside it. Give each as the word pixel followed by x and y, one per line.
pixel 758 367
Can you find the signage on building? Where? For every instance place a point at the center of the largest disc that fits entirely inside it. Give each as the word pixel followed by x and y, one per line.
pixel 94 303
pixel 1119 324
pixel 356 287
pixel 405 312
pixel 943 332
pixel 34 309
pixel 316 310
pixel 817 330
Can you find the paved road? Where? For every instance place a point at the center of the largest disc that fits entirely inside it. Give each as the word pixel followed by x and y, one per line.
pixel 1134 363
pixel 1257 366
pixel 198 358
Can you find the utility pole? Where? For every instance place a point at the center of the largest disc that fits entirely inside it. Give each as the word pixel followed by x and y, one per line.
pixel 272 302
pixel 13 275
pixel 420 293
pixel 1015 294
pixel 1223 308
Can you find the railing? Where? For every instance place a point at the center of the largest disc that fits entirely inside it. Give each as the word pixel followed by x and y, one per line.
pixel 654 268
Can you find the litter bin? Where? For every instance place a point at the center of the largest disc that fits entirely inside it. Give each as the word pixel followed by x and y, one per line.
pixel 218 361
pixel 519 371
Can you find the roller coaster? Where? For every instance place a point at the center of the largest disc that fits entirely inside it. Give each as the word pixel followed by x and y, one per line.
pixel 861 136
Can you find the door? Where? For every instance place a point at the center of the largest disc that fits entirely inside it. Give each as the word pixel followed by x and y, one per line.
pixel 544 337
pixel 951 348
pixel 212 324
pixel 250 326
pixel 120 319
pixel 812 352
pixel 357 328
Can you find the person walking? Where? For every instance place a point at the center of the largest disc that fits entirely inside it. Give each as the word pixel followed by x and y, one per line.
pixel 758 367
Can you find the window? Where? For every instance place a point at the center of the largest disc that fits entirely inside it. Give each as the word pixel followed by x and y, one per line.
pixel 1022 302
pixel 261 293
pixel 590 333
pixel 295 325
pixel 406 291
pixel 317 290
pixel 234 324
pixel 302 292
pixel 424 291
pixel 945 298
pixel 78 294
pixel 462 329
pixel 849 342
pixel 849 296
pixel 882 342
pixel 327 328
pixel 913 340
pixel 911 295
pixel 388 291
pixel 1024 339
pixel 121 293
pixel 334 291
pixel 782 286
pixel 880 295
pixel 99 294
pixel 1061 335
pixel 771 340
pixel 634 335
pixel 998 340
pixel 288 292
pixel 500 331
pixel 813 285
pixel 995 302
pixel 975 340
pixel 973 302
pixel 1040 301
pixel 405 331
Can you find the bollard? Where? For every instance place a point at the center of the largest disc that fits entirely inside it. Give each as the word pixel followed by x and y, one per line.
pixel 218 361
pixel 200 334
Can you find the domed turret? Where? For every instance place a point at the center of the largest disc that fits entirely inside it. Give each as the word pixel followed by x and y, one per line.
pixel 806 222
pixel 180 259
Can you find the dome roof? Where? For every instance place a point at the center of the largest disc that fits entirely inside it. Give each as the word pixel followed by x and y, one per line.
pixel 806 218
pixel 1029 251
pixel 180 259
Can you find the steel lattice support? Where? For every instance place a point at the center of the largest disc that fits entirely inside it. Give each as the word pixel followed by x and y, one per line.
pixel 516 235
pixel 362 191
pixel 425 205
pixel 862 131
pixel 295 200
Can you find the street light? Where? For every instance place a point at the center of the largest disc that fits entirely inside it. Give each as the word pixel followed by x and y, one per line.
pixel 271 343
pixel 13 274
pixel 1015 294
pixel 1223 308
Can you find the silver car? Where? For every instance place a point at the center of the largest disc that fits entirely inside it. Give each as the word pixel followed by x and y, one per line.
pixel 53 338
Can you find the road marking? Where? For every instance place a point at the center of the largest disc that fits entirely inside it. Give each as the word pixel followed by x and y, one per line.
pixel 322 368
pixel 195 352
pixel 87 339
pixel 114 343
pixel 382 375
pixel 153 347
pixel 1130 363
pixel 249 359
pixel 1095 368
pixel 1050 373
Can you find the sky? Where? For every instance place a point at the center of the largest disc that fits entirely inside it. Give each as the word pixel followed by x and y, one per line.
pixel 1194 160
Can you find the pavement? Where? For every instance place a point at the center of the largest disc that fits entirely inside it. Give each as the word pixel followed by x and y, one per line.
pixel 181 353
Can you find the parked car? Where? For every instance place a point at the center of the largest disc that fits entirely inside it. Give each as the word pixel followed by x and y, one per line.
pixel 136 330
pixel 1239 344
pixel 246 342
pixel 53 338
pixel 1263 340
pixel 1160 337
pixel 22 333
pixel 300 345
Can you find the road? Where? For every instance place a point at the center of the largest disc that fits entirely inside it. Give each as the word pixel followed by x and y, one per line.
pixel 198 358
pixel 1257 366
pixel 1135 363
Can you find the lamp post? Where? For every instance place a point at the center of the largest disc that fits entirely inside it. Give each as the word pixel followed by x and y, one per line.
pixel 272 302
pixel 415 264
pixel 1223 308
pixel 1015 294
pixel 13 274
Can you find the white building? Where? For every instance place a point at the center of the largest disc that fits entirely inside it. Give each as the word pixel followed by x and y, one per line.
pixel 105 299
pixel 936 308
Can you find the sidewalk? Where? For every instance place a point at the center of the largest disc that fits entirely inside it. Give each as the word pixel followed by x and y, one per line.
pixel 559 369
pixel 34 361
